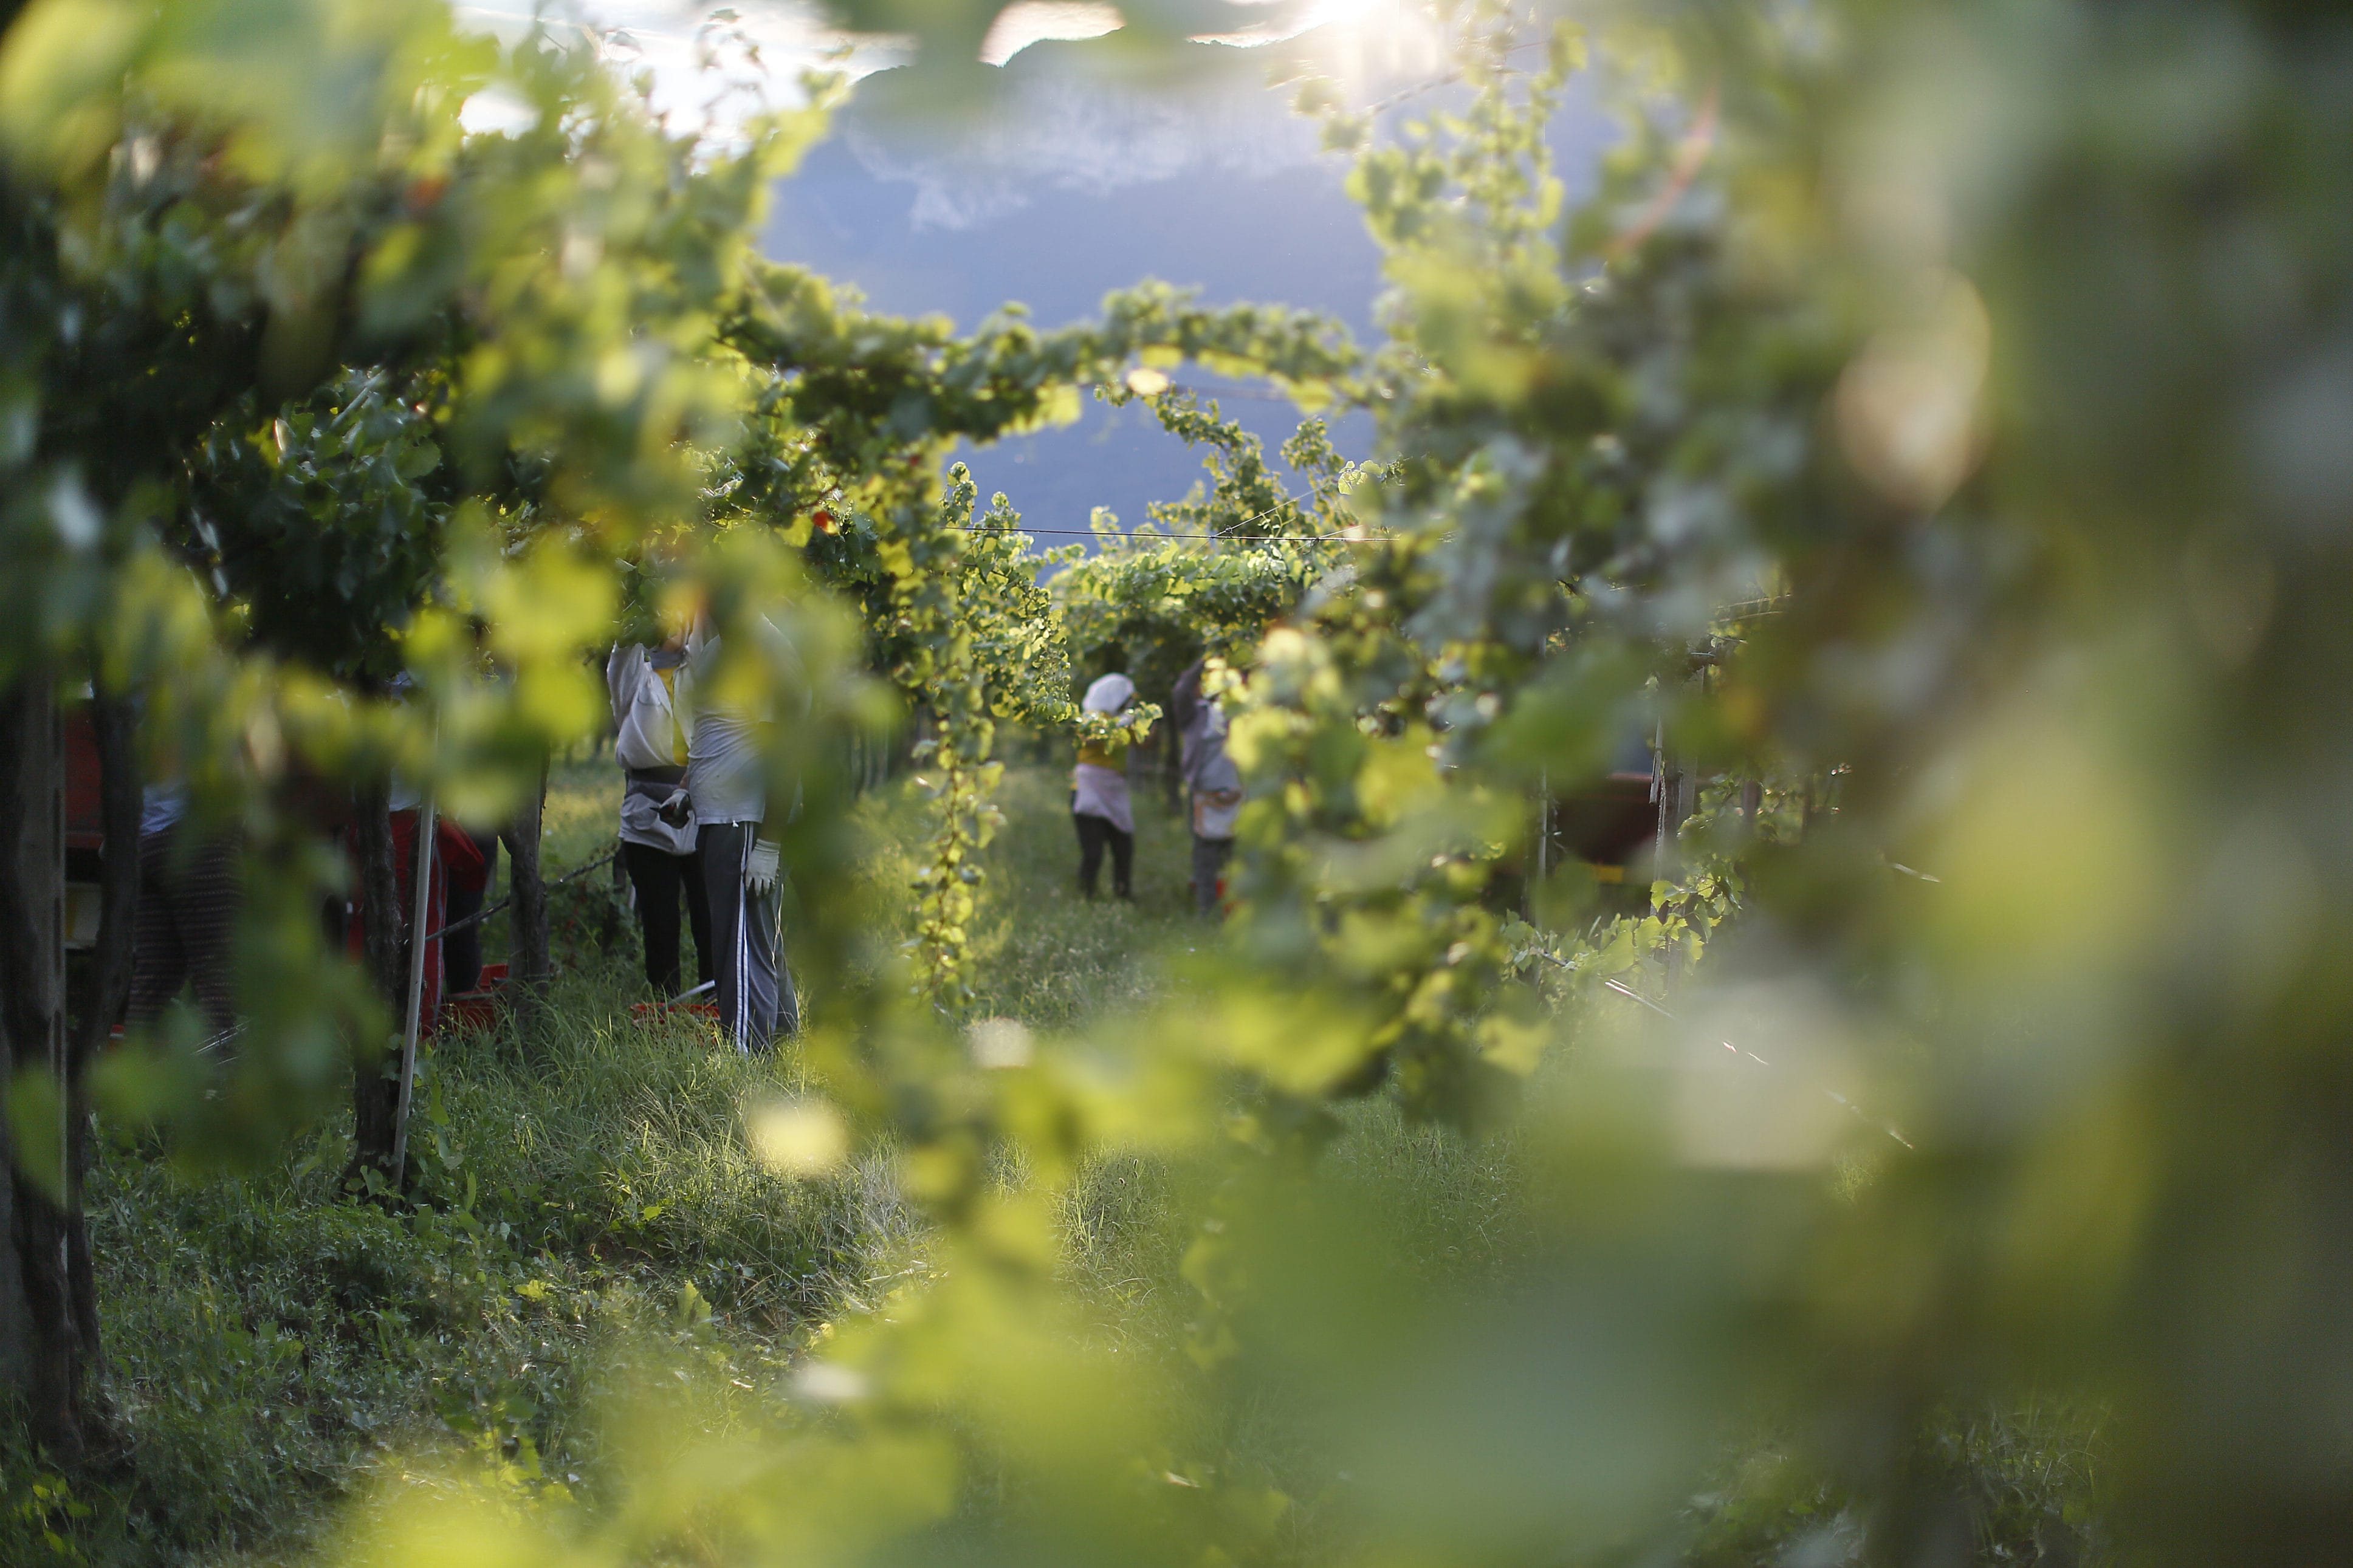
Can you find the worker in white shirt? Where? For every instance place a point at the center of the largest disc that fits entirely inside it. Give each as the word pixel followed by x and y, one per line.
pixel 651 689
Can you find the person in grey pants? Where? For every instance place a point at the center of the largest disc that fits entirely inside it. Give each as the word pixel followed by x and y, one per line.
pixel 742 871
pixel 1212 784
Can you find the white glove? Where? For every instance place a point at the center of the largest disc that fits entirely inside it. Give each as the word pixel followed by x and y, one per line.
pixel 676 810
pixel 760 870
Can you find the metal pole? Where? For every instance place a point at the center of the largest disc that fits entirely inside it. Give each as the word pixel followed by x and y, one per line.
pixel 427 818
pixel 59 1050
pixel 1625 990
pixel 1662 792
pixel 1544 823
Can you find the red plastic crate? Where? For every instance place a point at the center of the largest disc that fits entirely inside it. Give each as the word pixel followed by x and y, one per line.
pixel 478 1008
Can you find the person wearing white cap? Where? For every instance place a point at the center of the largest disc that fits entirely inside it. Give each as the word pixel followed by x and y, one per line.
pixel 1098 803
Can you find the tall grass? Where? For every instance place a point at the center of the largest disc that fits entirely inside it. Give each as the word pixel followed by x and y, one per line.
pixel 269 1341
pixel 1044 956
pixel 583 1207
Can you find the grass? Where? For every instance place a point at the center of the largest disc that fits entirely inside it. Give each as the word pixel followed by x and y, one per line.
pixel 1044 956
pixel 269 1342
pixel 595 1209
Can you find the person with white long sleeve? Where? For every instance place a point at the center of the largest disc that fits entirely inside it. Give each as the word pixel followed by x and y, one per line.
pixel 1100 807
pixel 726 780
pixel 652 693
pixel 1215 787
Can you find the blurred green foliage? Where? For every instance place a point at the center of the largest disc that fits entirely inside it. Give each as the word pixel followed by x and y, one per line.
pixel 1950 396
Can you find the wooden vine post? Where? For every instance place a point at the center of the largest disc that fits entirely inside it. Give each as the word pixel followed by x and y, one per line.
pixel 113 724
pixel 42 1357
pixel 375 1093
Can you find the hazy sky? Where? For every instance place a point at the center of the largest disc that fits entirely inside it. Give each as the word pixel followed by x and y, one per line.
pixel 1076 181
pixel 1075 185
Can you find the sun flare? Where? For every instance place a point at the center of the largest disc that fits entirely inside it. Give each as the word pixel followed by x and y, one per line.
pixel 1367 39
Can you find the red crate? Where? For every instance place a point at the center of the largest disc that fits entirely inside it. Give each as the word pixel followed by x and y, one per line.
pixel 478 1008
